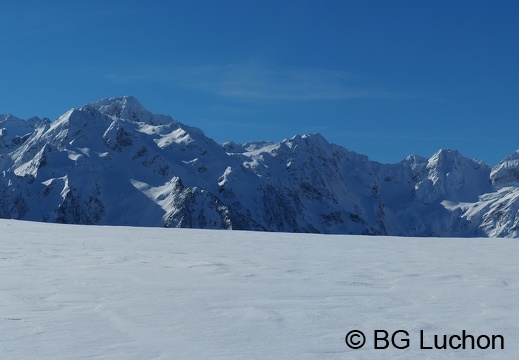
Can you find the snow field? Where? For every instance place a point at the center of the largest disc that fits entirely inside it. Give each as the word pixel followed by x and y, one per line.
pixel 91 292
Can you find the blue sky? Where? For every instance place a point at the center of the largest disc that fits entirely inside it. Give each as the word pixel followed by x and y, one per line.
pixel 382 78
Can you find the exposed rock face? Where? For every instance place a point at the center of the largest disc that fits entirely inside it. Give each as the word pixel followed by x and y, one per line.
pixel 114 162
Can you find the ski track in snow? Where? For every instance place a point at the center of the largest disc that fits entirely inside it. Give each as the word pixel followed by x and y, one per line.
pixel 89 292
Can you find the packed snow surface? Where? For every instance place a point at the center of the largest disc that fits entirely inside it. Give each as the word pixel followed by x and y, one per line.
pixel 92 292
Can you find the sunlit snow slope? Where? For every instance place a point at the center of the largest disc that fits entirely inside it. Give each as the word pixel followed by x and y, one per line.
pixel 91 292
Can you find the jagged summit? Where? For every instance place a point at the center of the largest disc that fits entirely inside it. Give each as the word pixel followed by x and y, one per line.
pixel 125 107
pixel 15 131
pixel 114 162
pixel 506 173
pixel 129 108
pixel 453 177
pixel 13 125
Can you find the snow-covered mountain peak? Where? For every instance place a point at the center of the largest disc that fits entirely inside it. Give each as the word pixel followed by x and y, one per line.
pixel 415 162
pixel 11 125
pixel 125 107
pixel 35 121
pixel 8 117
pixel 506 173
pixel 445 159
pixel 306 139
pixel 129 108
pixel 15 131
pixel 451 176
pixel 8 121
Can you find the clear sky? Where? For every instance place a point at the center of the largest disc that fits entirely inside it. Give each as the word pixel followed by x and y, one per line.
pixel 382 78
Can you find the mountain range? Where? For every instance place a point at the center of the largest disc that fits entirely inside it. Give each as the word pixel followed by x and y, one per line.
pixel 113 162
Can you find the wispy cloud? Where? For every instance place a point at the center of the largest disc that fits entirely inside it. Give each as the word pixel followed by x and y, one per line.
pixel 252 81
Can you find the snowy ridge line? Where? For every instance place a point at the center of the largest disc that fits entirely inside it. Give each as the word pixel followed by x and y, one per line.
pixel 113 162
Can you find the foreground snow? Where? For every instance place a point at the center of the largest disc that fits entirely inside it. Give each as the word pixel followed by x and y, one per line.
pixel 74 292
